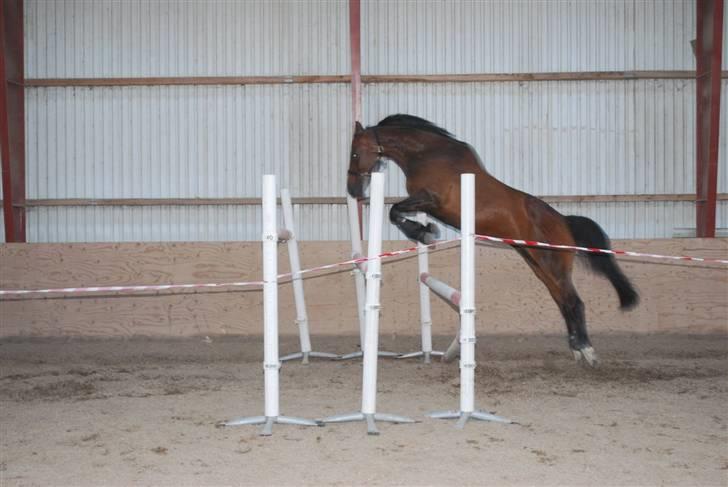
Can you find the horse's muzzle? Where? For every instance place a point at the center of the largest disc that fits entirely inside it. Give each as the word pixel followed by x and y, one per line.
pixel 355 186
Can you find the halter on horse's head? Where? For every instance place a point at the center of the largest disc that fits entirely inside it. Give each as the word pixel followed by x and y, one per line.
pixel 366 156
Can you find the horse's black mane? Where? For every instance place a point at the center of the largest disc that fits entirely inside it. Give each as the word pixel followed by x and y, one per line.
pixel 410 121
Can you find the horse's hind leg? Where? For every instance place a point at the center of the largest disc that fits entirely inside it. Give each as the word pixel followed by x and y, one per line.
pixel 420 201
pixel 572 309
pixel 554 270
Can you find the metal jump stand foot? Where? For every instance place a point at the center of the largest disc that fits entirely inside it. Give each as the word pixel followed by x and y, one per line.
pixel 425 355
pixel 359 353
pixel 370 420
pixel 268 422
pixel 463 417
pixel 304 356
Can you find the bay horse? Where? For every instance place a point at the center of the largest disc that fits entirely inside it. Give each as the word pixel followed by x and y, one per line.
pixel 432 160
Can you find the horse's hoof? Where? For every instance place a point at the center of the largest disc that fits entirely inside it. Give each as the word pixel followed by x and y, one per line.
pixel 587 354
pixel 430 234
pixel 590 356
pixel 433 229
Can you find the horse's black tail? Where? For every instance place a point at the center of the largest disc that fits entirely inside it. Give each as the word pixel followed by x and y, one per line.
pixel 587 233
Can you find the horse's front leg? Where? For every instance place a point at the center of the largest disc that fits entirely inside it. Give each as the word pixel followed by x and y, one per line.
pixel 424 201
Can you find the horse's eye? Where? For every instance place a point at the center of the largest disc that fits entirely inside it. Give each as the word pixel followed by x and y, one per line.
pixel 355 155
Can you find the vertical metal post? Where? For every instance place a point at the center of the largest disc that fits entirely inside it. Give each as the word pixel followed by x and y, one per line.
pixel 355 45
pixel 356 96
pixel 708 54
pixel 12 119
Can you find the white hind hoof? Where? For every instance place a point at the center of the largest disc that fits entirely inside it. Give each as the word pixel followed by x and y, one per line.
pixel 428 238
pixel 588 355
pixel 432 233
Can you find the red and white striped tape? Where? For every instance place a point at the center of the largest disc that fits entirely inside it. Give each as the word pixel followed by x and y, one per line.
pixel 533 243
pixel 350 262
pixel 102 289
pixel 166 287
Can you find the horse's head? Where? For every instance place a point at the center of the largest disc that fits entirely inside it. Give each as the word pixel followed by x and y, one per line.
pixel 365 158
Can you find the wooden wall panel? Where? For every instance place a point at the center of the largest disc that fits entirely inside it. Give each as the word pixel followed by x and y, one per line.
pixel 686 297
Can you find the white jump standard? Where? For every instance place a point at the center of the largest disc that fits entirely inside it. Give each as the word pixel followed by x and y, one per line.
pixel 297 282
pixel 467 311
pixel 371 339
pixel 359 272
pixel 271 364
pixel 425 310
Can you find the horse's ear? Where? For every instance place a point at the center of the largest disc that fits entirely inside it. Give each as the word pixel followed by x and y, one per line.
pixel 358 128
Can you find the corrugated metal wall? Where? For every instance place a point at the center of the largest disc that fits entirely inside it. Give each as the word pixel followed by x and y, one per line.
pixel 556 138
pixel 149 38
pixel 179 142
pixel 521 36
pixel 186 141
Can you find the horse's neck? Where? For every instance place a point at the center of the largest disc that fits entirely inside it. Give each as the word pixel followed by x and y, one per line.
pixel 404 146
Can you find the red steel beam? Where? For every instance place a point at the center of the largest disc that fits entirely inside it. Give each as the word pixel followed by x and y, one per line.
pixel 355 43
pixel 12 119
pixel 708 53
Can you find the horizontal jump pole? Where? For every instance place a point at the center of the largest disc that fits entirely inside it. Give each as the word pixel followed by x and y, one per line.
pixel 452 297
pixel 444 291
